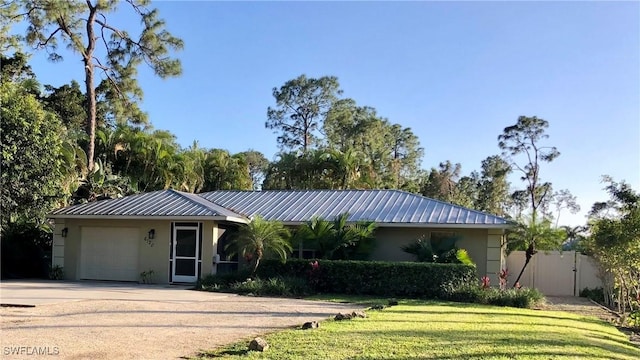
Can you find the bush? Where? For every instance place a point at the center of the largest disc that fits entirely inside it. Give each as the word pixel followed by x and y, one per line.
pixel 520 298
pixel 240 283
pixel 277 286
pixel 26 252
pixel 401 279
pixel 595 294
pixel 222 281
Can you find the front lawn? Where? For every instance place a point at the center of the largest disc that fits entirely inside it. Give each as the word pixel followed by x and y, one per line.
pixel 443 330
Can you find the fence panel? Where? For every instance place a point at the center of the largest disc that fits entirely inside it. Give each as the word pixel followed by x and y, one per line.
pixel 555 273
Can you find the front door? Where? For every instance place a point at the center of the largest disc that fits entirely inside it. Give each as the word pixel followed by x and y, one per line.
pixel 185 253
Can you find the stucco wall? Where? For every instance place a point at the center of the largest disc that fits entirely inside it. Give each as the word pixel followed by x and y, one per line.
pixel 156 257
pixel 389 242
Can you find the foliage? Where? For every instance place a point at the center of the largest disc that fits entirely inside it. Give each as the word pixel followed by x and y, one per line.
pixel 595 294
pixel 260 239
pixel 439 251
pixel 524 140
pixel 463 257
pixel 32 170
pixel 422 249
pixel 275 286
pixel 493 187
pixel 100 184
pixel 406 279
pixel 223 171
pixel 301 105
pixel 83 27
pixel 56 273
pixel 146 277
pixel 444 330
pixel 26 251
pixel 441 183
pixel 519 298
pixel 217 282
pixel 337 239
pixel 615 243
pixel 371 151
pixel 541 232
pixel 257 165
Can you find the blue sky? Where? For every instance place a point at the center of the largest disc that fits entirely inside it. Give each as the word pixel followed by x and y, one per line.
pixel 456 73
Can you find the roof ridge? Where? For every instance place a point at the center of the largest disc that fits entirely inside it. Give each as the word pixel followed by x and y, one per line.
pixel 199 201
pixel 358 190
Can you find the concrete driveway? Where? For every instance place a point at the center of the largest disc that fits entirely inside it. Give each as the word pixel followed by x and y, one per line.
pixel 95 320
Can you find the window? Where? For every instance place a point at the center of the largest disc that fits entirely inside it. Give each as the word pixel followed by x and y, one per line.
pixel 303 254
pixel 439 236
pixel 228 263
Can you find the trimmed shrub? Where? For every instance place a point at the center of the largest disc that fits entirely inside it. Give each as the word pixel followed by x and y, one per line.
pixel 401 279
pixel 222 281
pixel 520 298
pixel 241 284
pixel 277 286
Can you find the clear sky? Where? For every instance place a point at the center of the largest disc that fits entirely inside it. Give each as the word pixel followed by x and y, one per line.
pixel 456 73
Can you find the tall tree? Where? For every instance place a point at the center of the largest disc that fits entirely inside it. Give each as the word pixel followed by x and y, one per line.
pixel 493 187
pixel 257 165
pixel 615 243
pixel 522 148
pixel 223 171
pixel 31 166
pixel 524 140
pixel 70 104
pixel 406 154
pixel 301 105
pixel 563 199
pixel 84 28
pixel 441 183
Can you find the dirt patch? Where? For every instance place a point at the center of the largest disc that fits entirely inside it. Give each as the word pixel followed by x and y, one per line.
pixel 151 329
pixel 586 307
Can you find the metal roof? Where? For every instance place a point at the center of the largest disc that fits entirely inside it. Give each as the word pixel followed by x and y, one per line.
pixel 385 207
pixel 163 203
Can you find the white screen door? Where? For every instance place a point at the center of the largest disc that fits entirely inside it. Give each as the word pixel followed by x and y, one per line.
pixel 185 253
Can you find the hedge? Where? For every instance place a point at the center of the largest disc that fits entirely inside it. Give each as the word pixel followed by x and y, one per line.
pixel 402 279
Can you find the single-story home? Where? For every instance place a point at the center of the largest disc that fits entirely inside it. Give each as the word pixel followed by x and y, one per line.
pixel 179 237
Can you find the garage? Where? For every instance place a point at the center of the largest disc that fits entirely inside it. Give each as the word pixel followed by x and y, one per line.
pixel 109 253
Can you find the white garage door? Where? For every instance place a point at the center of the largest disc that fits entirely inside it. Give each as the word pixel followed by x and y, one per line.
pixel 109 254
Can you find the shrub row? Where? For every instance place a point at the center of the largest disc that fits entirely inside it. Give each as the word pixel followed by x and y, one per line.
pixel 400 279
pixel 521 298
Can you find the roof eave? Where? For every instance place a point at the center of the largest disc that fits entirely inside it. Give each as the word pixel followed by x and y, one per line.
pixel 425 225
pixel 151 217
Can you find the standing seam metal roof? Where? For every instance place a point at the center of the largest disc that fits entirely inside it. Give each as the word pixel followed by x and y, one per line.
pixel 168 203
pixel 290 206
pixel 381 206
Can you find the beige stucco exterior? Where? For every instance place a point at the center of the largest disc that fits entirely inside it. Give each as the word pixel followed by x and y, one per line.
pixel 484 246
pixel 152 254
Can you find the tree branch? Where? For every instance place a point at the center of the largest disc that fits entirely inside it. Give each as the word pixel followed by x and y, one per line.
pixel 46 42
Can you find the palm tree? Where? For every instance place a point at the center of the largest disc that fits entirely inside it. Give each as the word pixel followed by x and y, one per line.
pixel 260 238
pixel 338 239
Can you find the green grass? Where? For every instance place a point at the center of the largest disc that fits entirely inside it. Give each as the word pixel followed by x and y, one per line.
pixel 442 330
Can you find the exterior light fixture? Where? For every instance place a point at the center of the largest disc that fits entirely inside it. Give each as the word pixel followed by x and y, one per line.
pixel 64 232
pixel 152 234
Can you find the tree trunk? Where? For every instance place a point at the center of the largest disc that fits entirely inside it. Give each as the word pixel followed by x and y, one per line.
pixel 91 113
pixel 258 255
pixel 89 70
pixel 529 254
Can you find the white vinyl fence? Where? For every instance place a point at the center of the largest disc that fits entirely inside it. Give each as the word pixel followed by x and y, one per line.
pixel 555 273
